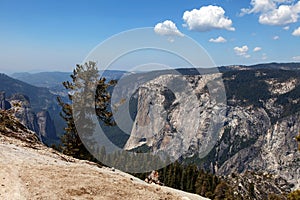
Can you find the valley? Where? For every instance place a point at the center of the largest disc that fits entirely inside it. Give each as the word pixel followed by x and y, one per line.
pixel 251 128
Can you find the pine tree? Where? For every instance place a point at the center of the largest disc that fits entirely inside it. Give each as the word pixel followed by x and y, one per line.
pixel 222 191
pixel 171 177
pixel 251 190
pixel 84 78
pixel 199 182
pixel 191 173
pixel 295 195
pixel 298 140
pixel 183 180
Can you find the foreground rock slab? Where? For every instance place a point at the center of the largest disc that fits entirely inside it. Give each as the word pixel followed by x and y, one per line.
pixel 33 171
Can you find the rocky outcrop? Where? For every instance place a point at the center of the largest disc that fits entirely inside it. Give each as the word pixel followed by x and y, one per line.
pixel 40 98
pixel 23 112
pixel 46 126
pixel 11 126
pixel 260 186
pixel 259 147
pixel 40 122
pixel 177 115
pixel 4 104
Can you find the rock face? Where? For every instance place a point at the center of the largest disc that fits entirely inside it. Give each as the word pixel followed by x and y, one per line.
pixel 171 106
pixel 10 126
pixel 46 125
pixel 40 98
pixel 258 145
pixel 40 122
pixel 258 125
pixel 258 186
pixel 24 113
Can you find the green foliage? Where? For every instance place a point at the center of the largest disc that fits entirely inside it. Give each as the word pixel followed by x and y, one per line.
pixel 245 87
pixel 12 127
pixel 295 195
pixel 223 192
pixel 251 190
pixel 9 123
pixel 249 87
pixel 273 196
pixel 84 78
pixel 192 179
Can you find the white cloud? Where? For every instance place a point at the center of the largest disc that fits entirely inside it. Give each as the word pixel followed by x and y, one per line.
pixel 296 32
pixel 297 58
pixel 242 51
pixel 283 15
pixel 259 6
pixel 276 37
pixel 219 39
pixel 167 28
pixel 275 12
pixel 207 18
pixel 286 28
pixel 256 49
pixel 283 1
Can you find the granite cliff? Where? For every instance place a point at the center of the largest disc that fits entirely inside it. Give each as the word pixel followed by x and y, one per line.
pixel 259 121
pixel 35 100
pixel 40 123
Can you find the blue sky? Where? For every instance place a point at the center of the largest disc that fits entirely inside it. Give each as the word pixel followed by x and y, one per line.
pixel 51 35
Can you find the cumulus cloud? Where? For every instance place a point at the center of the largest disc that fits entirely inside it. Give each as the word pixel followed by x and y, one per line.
pixel 259 6
pixel 256 49
pixel 242 51
pixel 283 15
pixel 276 37
pixel 207 18
pixel 219 39
pixel 296 32
pixel 274 12
pixel 167 28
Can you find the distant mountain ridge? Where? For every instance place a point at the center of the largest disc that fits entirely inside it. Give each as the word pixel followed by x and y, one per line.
pixel 54 79
pixel 43 79
pixel 11 86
